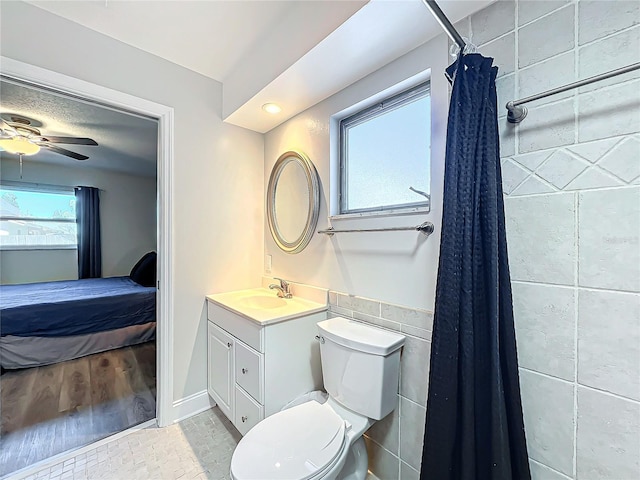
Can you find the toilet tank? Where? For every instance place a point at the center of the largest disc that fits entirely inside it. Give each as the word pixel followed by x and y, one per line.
pixel 360 365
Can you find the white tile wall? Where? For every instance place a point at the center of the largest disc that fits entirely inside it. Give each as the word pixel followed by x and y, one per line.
pixel 598 19
pixel 545 321
pixel 546 37
pixel 394 444
pixel 541 239
pixel 609 239
pixel 608 436
pixel 528 11
pixel 548 406
pixel 571 172
pixel 615 370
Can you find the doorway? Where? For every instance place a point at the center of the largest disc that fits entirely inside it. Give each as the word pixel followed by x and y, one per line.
pixel 114 100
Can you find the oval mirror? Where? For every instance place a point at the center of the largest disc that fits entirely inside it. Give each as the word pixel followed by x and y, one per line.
pixel 293 201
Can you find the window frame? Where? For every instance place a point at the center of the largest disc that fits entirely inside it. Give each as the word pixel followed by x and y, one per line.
pixel 359 117
pixel 38 188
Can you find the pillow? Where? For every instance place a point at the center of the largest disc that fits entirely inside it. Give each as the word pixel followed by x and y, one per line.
pixel 144 272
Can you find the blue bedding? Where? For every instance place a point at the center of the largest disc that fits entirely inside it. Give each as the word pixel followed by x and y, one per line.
pixel 74 307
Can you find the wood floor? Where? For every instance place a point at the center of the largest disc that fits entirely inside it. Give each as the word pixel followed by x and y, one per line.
pixel 52 409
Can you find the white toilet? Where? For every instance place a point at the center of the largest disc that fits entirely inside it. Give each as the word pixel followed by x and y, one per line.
pixel 360 368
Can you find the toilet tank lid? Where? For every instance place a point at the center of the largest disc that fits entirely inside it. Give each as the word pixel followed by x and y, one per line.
pixel 361 337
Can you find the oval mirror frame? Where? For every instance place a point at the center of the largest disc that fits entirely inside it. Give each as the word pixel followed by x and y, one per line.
pixel 313 187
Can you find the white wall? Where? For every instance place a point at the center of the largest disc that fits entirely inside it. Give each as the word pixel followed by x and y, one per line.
pixel 127 215
pixel 397 267
pixel 218 168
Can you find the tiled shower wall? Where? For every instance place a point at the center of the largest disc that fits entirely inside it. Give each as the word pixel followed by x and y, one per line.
pixel 394 444
pixel 571 172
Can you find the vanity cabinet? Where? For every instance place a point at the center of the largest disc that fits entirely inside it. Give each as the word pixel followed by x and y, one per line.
pixel 255 368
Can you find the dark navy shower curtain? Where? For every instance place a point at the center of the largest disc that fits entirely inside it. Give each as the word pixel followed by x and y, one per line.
pixel 88 223
pixel 474 427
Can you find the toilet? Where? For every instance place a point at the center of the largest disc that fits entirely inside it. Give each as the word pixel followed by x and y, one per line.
pixel 311 441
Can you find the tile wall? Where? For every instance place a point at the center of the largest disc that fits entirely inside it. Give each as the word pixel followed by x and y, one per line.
pixel 394 444
pixel 571 176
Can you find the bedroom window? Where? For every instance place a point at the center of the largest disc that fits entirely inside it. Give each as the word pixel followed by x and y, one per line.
pixel 37 217
pixel 385 152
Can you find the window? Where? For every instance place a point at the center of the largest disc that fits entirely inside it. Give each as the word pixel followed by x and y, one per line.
pixel 34 217
pixel 385 150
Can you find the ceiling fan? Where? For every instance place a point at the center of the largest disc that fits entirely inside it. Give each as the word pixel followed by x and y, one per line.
pixel 19 137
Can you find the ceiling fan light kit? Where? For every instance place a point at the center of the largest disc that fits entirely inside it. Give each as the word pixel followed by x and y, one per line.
pixel 19 146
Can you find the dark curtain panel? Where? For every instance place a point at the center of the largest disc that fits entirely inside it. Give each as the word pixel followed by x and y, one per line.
pixel 88 220
pixel 474 427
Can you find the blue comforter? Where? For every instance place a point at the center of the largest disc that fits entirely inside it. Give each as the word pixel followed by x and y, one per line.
pixel 74 307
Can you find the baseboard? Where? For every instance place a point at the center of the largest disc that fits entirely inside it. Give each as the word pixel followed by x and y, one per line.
pixel 192 405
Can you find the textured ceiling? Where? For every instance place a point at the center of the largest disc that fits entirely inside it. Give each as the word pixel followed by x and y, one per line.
pixel 126 143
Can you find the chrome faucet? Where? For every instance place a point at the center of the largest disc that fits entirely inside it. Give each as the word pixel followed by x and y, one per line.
pixel 284 289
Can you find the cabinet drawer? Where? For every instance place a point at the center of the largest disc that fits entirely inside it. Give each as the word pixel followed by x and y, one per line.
pixel 248 411
pixel 241 328
pixel 248 367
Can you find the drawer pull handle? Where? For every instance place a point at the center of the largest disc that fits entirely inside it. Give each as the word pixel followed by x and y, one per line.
pixel 244 370
pixel 244 419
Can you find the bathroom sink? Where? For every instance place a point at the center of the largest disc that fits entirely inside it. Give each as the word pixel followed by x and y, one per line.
pixel 262 301
pixel 264 306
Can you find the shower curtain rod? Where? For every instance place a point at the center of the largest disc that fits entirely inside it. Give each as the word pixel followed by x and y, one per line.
pixel 517 112
pixel 444 22
pixel 425 228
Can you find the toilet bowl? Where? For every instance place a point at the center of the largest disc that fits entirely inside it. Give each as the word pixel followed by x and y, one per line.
pixel 309 441
pixel 315 441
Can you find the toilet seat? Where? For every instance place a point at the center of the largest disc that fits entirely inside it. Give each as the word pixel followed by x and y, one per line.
pixel 296 444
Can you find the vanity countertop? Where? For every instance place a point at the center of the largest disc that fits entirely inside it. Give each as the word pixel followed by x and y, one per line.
pixel 264 307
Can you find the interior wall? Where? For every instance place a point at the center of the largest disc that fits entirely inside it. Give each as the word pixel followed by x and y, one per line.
pixel 127 215
pixel 217 195
pixel 371 274
pixel 571 176
pixel 571 171
pixel 397 267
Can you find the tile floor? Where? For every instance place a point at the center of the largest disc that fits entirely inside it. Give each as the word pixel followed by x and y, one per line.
pixel 199 447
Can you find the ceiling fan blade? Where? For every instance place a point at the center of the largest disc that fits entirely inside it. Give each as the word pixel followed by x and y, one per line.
pixel 63 151
pixel 68 140
pixel 7 130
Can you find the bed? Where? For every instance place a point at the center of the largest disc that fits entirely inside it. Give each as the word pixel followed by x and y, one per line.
pixel 51 322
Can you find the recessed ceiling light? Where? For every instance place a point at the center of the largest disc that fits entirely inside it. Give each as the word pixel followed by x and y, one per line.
pixel 271 108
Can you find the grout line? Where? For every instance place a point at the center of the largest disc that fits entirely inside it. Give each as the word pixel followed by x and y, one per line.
pixel 595 189
pixel 516 82
pixel 550 468
pixel 575 385
pixel 586 289
pixel 575 91
pixel 610 394
pixel 548 14
pixel 412 401
pixel 575 329
pixel 591 42
pixel 546 375
pixel 550 149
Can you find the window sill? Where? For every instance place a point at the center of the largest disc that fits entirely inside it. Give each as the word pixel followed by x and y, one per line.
pixel 37 247
pixel 381 213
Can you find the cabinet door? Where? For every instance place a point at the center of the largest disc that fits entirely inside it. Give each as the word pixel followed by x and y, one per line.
pixel 220 368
